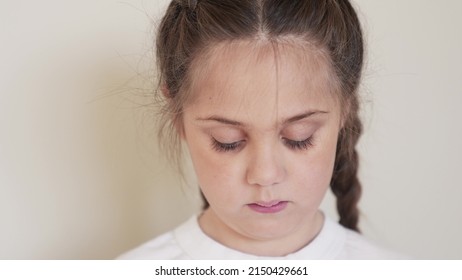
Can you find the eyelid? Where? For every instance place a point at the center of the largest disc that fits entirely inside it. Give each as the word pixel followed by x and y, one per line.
pixel 226 147
pixel 299 145
pixel 226 134
pixel 301 130
pixel 291 144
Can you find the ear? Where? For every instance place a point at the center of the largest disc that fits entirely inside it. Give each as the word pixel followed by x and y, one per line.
pixel 179 127
pixel 344 113
pixel 178 121
pixel 343 119
pixel 165 91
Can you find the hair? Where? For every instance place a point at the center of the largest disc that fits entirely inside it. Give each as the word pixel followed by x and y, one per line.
pixel 190 27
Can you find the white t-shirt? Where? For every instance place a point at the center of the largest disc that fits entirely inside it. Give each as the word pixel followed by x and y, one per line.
pixel 188 241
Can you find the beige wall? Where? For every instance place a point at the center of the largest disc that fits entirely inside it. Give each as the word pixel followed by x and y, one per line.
pixel 80 176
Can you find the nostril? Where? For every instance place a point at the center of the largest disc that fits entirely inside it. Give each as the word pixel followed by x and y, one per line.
pixel 266 174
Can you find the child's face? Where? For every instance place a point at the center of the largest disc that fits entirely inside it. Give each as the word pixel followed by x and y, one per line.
pixel 262 138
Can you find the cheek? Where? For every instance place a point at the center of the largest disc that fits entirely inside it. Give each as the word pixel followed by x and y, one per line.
pixel 217 176
pixel 315 170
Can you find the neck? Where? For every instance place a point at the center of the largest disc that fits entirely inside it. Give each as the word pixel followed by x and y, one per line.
pixel 216 229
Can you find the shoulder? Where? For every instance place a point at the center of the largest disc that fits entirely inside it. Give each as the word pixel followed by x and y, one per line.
pixel 187 241
pixel 337 242
pixel 163 247
pixel 359 247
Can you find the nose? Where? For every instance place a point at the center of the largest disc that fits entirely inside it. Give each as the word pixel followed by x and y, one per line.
pixel 266 167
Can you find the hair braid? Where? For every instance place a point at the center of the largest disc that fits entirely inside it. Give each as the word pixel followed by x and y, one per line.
pixel 345 183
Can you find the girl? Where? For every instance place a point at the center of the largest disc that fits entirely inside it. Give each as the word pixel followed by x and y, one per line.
pixel 264 94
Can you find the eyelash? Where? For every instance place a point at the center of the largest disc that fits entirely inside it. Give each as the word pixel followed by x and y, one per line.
pixel 299 145
pixel 225 147
pixel 291 144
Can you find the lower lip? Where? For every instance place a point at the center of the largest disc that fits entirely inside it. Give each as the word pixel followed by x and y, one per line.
pixel 278 207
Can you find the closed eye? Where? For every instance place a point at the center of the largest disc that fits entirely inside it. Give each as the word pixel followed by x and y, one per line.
pixel 292 144
pixel 225 147
pixel 299 145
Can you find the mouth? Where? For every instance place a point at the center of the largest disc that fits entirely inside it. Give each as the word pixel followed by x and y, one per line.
pixel 268 207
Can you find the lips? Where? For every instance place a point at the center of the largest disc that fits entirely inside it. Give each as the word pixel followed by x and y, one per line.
pixel 268 207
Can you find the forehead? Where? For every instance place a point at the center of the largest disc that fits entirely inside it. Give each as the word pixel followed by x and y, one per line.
pixel 259 77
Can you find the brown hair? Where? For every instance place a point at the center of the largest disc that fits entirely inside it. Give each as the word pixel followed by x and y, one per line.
pixel 190 27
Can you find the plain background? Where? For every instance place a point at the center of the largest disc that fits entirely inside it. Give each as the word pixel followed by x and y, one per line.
pixel 80 175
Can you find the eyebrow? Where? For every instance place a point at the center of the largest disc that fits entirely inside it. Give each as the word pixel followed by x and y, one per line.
pixel 284 122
